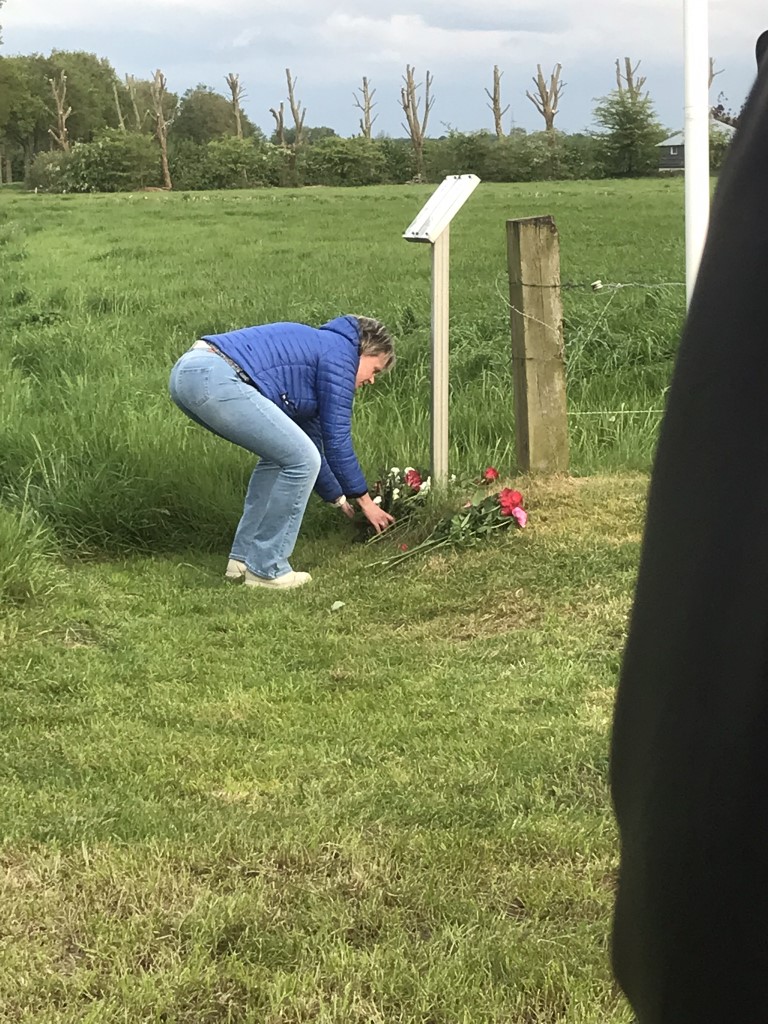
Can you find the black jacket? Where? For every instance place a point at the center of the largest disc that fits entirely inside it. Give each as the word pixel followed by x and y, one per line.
pixel 690 743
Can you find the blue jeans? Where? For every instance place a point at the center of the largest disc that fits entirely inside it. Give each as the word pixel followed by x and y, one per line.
pixel 209 391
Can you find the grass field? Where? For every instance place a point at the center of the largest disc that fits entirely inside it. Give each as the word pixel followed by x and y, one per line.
pixel 218 805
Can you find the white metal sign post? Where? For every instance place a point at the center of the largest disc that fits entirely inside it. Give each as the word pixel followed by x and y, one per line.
pixel 696 137
pixel 433 225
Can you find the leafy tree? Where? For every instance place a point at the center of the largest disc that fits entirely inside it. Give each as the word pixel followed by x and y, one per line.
pixel 631 132
pixel 205 115
pixel 25 116
pixel 91 84
pixel 719 144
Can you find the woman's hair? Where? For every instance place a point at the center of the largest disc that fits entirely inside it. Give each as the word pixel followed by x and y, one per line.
pixel 375 340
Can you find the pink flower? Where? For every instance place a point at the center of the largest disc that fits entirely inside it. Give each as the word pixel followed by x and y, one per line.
pixel 490 475
pixel 413 480
pixel 520 515
pixel 403 547
pixel 509 500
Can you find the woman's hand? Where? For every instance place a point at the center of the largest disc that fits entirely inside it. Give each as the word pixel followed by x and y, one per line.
pixel 376 516
pixel 347 509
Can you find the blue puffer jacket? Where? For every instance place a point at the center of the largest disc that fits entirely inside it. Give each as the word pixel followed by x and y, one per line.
pixel 309 373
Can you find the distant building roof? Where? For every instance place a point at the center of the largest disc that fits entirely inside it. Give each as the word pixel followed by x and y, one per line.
pixel 678 139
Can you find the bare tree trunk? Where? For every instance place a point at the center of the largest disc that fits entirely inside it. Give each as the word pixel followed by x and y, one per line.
pixel 299 113
pixel 416 123
pixel 495 104
pixel 120 119
pixel 238 94
pixel 365 103
pixel 162 123
pixel 712 73
pixel 279 116
pixel 8 171
pixel 59 89
pixel 627 82
pixel 548 100
pixel 130 84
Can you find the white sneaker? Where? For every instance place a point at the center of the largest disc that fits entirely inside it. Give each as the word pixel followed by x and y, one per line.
pixel 235 570
pixel 287 581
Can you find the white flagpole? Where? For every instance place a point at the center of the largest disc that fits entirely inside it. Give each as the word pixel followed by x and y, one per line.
pixel 697 190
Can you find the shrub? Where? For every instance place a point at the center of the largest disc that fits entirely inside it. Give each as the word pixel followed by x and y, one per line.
pixel 116 161
pixel 400 161
pixel 237 163
pixel 336 161
pixel 49 172
pixel 224 163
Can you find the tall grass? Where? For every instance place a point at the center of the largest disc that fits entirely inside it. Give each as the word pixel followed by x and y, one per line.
pixel 27 555
pixel 100 294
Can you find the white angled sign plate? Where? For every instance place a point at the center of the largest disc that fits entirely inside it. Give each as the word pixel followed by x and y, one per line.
pixel 441 207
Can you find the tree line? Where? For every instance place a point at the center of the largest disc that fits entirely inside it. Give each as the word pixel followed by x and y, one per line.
pixel 68 122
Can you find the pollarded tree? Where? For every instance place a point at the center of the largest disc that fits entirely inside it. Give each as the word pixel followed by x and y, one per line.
pixel 629 83
pixel 547 100
pixel 291 140
pixel 364 102
pixel 631 132
pixel 60 134
pixel 163 121
pixel 238 95
pixel 416 120
pixel 495 104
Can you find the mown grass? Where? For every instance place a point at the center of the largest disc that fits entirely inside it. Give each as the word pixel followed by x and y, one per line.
pixel 227 805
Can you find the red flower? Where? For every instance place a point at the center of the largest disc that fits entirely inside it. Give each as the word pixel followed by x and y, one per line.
pixel 509 500
pixel 413 480
pixel 490 475
pixel 403 547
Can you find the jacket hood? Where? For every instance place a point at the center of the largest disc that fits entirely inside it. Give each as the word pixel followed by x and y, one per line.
pixel 346 326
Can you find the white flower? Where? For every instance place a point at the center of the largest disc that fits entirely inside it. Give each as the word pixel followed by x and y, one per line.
pixel 395 471
pixel 396 494
pixel 409 469
pixel 452 478
pixel 377 500
pixel 425 485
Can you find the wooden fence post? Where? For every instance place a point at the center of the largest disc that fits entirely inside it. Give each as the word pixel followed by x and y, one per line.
pixel 538 362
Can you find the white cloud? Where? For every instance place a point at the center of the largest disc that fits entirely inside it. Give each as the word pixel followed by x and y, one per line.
pixel 404 37
pixel 461 29
pixel 331 43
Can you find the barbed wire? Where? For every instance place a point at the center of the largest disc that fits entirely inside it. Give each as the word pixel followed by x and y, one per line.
pixel 601 286
pixel 613 288
pixel 615 412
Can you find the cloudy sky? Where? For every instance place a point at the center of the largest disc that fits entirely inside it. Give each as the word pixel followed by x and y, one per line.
pixel 331 44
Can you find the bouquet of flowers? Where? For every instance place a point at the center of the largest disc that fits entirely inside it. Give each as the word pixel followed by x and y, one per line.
pixel 473 523
pixel 402 490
